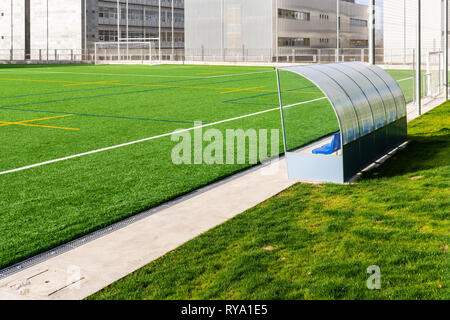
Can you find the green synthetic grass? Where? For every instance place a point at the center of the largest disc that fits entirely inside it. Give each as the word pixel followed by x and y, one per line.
pixel 317 241
pixel 406 82
pixel 49 205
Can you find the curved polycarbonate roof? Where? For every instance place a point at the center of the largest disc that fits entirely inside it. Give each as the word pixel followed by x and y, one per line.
pixel 364 97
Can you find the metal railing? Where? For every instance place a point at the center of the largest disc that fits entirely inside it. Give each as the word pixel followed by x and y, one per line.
pixel 243 54
pixel 432 70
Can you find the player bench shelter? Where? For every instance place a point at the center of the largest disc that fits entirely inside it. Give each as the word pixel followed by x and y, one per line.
pixel 371 111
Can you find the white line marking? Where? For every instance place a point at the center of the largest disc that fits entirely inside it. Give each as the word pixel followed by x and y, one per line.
pixel 136 75
pixel 405 79
pixel 153 138
pixel 238 74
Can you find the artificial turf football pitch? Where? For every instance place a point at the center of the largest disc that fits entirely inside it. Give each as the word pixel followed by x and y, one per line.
pixel 85 146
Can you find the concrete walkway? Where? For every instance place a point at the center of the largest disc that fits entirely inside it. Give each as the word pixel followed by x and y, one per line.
pixel 426 106
pixel 90 267
pixel 85 270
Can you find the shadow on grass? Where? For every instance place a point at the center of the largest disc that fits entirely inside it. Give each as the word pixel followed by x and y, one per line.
pixel 422 153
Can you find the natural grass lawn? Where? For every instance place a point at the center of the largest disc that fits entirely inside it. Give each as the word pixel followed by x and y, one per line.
pixel 316 241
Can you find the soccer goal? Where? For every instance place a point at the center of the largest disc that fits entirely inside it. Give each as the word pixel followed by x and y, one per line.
pixel 135 51
pixel 435 73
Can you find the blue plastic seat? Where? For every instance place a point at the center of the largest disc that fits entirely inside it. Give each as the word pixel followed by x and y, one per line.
pixel 331 147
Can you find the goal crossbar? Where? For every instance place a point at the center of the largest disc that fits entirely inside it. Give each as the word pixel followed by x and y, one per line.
pixel 137 39
pixel 124 52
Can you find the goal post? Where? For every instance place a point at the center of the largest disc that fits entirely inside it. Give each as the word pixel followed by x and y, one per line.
pixel 126 51
pixel 435 73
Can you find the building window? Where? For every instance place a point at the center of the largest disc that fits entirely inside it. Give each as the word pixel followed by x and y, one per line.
pixel 179 17
pixel 294 15
pixel 108 35
pixel 138 15
pixel 324 17
pixel 324 40
pixel 293 42
pixel 358 22
pixel 179 37
pixel 359 43
pixel 107 12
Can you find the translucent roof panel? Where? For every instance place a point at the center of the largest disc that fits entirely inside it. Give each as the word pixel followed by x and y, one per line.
pixel 395 89
pixel 371 92
pixel 390 104
pixel 304 121
pixel 364 97
pixel 339 99
pixel 359 99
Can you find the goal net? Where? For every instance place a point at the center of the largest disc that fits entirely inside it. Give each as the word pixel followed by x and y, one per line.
pixel 435 73
pixel 126 52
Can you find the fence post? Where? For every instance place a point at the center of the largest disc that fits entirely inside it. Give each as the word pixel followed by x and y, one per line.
pixel 441 71
pixel 415 75
pixel 428 75
pixel 319 54
pixel 362 55
pixel 203 53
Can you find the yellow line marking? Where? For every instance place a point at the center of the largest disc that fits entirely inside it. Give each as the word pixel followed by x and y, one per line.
pixel 36 125
pixel 248 89
pixel 312 92
pixel 69 83
pixel 134 84
pixel 84 83
pixel 62 116
pixel 25 123
pixel 228 90
pixel 31 80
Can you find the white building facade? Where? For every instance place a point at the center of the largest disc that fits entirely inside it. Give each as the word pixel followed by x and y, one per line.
pixel 272 28
pixel 68 29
